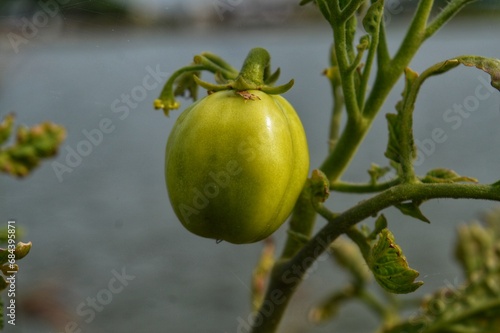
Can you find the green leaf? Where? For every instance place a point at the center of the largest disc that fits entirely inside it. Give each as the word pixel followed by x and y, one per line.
pixel 412 209
pixel 473 306
pixel 397 128
pixel 446 176
pixel 389 266
pixel 488 65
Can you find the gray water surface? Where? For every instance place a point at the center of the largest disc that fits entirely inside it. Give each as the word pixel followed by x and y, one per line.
pixel 111 213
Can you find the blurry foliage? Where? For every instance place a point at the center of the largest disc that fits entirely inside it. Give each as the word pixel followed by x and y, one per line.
pixel 472 307
pixel 30 147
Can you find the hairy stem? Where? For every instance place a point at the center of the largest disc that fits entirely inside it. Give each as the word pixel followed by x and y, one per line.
pixel 296 257
pixel 288 274
pixel 346 187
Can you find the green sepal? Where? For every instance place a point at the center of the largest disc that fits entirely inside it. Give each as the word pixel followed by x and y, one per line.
pixel 412 209
pixel 389 266
pixel 270 79
pixel 186 83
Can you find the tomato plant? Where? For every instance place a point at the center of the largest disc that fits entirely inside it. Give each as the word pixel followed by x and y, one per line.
pixel 242 196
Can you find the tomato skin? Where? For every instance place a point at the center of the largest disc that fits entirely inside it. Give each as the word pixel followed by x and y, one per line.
pixel 234 167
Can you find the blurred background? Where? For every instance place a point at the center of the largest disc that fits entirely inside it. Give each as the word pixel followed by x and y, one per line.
pixel 108 253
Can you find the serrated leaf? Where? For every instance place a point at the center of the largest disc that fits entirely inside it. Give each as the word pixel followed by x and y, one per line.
pixel 412 209
pixel 395 124
pixel 389 266
pixel 442 175
pixel 392 151
pixel 488 65
pixel 474 306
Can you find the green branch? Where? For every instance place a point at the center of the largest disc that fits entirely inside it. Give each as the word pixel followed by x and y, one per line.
pixel 413 39
pixel 346 72
pixel 288 274
pixel 451 9
pixel 346 187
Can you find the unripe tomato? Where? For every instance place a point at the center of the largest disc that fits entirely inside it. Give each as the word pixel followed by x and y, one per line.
pixel 235 165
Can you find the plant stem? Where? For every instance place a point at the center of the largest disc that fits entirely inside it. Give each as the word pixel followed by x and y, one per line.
pixel 288 274
pixel 451 9
pixel 346 187
pixel 255 65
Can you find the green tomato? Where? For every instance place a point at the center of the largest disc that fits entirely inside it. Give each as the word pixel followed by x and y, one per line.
pixel 235 165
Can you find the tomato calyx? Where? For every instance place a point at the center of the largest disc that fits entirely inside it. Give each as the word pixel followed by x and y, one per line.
pixel 255 74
